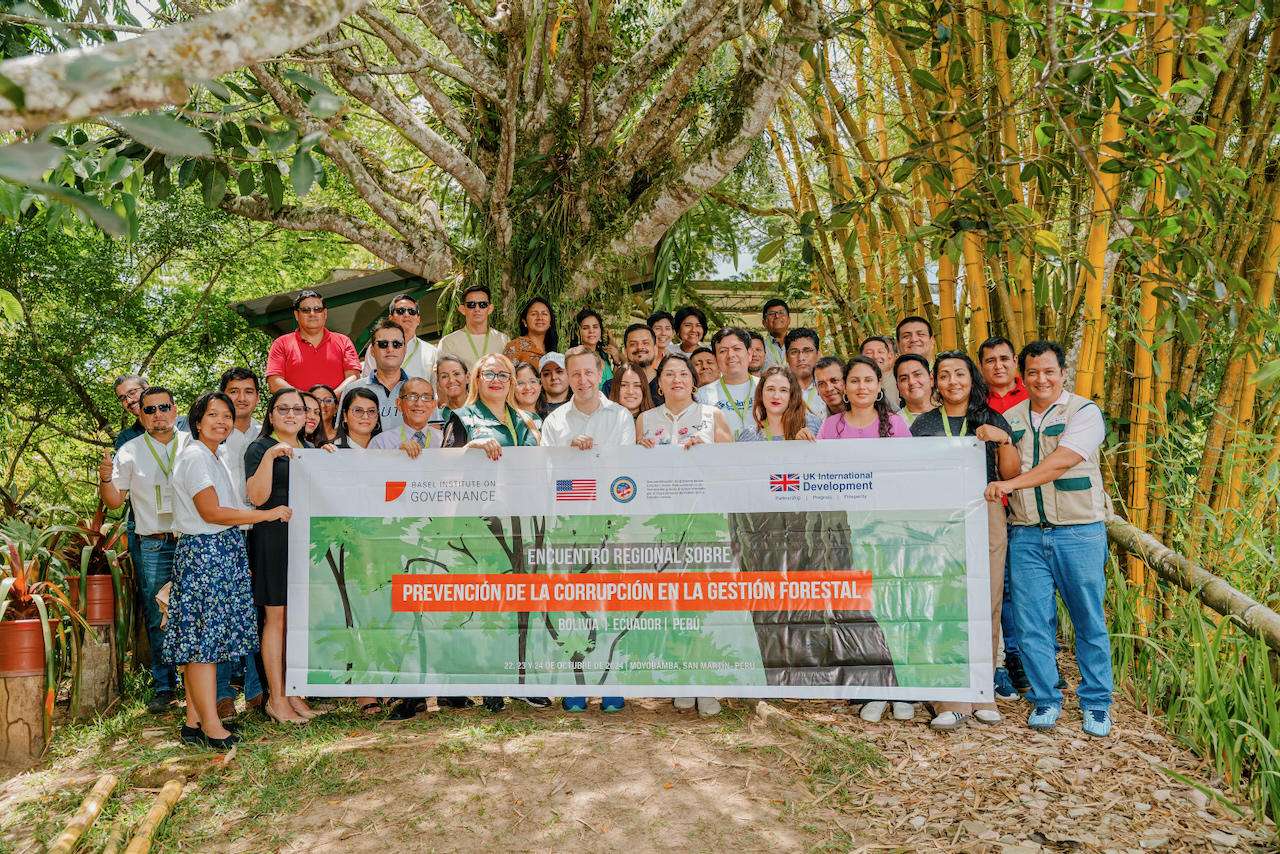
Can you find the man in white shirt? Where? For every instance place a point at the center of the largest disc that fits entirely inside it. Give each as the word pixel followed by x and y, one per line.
pixel 735 392
pixel 589 418
pixel 388 348
pixel 476 339
pixel 242 386
pixel 803 352
pixel 420 356
pixel 142 470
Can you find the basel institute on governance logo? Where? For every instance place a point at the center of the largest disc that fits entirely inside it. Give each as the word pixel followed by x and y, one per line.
pixel 784 483
pixel 623 489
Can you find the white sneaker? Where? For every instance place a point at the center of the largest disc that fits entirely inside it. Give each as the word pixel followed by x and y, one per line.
pixel 872 712
pixel 947 721
pixel 987 716
pixel 903 711
pixel 708 706
pixel 683 703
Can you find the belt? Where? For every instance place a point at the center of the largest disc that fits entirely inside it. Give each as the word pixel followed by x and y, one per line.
pixel 1044 525
pixel 166 536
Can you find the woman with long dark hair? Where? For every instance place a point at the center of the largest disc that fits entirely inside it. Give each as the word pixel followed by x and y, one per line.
pixel 867 414
pixel 680 420
pixel 778 412
pixel 629 388
pixel 358 421
pixel 528 390
pixel 327 430
pixel 538 335
pixel 965 412
pixel 589 331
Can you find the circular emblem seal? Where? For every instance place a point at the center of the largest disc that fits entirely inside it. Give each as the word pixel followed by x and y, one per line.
pixel 623 489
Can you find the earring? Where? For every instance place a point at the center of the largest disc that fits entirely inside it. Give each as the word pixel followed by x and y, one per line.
pixel 880 396
pixel 846 400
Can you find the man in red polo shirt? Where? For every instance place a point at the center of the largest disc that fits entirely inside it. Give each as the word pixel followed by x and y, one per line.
pixel 1000 370
pixel 312 355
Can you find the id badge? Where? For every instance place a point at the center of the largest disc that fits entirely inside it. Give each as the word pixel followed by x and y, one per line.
pixel 164 498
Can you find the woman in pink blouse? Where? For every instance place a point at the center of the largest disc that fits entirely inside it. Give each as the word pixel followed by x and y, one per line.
pixel 867 415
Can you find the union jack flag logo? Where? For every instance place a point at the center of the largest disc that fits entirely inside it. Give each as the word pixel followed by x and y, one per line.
pixel 784 482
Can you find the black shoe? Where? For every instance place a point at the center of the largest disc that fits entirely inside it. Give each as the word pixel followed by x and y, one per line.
pixel 1062 683
pixel 405 709
pixel 537 702
pixel 160 703
pixel 1017 674
pixel 222 743
pixel 455 702
pixel 192 735
pixel 494 704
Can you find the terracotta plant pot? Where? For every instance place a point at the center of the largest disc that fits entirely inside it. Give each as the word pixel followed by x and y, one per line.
pixel 102 599
pixel 22 647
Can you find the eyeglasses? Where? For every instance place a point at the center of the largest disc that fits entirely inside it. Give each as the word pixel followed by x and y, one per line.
pixel 797 351
pixel 477 304
pixel 500 376
pixel 129 395
pixel 527 383
pixel 382 345
pixel 412 312
pixel 153 408
pixel 311 310
pixel 361 412
pixel 417 398
pixel 291 410
pixel 776 313
pixel 329 400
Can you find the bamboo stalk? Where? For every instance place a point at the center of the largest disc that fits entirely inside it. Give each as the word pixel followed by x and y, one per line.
pixel 115 840
pixel 85 816
pixel 145 834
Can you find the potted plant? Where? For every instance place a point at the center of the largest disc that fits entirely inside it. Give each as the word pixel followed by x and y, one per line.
pixel 94 546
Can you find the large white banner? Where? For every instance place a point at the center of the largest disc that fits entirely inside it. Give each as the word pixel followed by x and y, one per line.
pixel 854 569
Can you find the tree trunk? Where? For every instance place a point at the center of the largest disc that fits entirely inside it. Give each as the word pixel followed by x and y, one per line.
pixel 97 674
pixel 21 720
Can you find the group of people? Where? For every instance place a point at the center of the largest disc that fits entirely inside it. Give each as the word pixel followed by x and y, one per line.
pixel 209 493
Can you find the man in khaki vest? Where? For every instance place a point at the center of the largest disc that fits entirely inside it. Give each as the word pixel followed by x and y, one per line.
pixel 1058 538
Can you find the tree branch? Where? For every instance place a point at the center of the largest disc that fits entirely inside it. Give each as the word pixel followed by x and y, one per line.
pixel 439 18
pixel 152 70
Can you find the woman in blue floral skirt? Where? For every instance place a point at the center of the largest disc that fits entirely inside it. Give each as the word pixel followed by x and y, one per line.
pixel 211 613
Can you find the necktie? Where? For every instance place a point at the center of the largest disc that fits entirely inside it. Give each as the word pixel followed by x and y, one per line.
pixel 419 438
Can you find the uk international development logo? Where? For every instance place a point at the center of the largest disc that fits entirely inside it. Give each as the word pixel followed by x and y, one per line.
pixel 623 489
pixel 784 483
pixel 575 490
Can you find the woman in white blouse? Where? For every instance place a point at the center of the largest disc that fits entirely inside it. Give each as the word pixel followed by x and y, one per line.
pixel 211 613
pixel 680 420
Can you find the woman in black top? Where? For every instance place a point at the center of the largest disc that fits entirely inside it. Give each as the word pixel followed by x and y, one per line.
pixel 964 412
pixel 266 470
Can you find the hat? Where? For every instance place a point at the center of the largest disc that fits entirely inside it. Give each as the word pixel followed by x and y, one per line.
pixel 553 356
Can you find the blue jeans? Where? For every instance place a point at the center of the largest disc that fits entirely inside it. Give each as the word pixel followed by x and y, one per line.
pixel 252 682
pixel 1072 560
pixel 155 570
pixel 1007 626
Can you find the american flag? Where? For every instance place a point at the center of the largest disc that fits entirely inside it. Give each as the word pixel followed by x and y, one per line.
pixel 575 490
pixel 784 482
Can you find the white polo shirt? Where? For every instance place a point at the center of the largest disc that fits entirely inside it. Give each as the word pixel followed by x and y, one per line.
pixel 733 401
pixel 196 470
pixel 144 468
pixel 610 424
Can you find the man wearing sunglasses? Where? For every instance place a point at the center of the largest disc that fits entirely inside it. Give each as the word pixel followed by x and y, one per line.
pixel 476 339
pixel 388 377
pixel 420 356
pixel 311 354
pixel 141 471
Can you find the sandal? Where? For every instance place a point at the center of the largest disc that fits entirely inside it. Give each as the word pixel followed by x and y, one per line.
pixel 370 709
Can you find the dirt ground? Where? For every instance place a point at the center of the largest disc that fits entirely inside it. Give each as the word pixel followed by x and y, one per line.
pixel 647 779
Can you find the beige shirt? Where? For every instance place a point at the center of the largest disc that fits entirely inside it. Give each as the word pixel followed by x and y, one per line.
pixel 468 347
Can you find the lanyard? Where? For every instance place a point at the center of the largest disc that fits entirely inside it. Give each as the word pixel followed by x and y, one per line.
pixel 166 470
pixel 473 343
pixel 425 431
pixel 768 434
pixel 946 424
pixel 909 418
pixel 809 396
pixel 741 410
pixel 776 350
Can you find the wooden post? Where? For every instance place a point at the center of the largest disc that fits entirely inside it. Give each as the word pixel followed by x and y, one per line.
pixel 141 842
pixel 21 720
pixel 97 673
pixel 85 816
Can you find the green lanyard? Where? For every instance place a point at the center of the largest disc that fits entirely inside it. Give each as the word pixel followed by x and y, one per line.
pixel 946 424
pixel 166 470
pixel 777 351
pixel 908 417
pixel 741 410
pixel 425 431
pixel 768 434
pixel 487 330
pixel 809 396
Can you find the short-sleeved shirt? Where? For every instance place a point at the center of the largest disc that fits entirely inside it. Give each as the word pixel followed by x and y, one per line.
pixel 610 424
pixel 752 433
pixel 836 427
pixel 697 420
pixel 481 423
pixel 774 353
pixel 234 447
pixel 144 467
pixel 814 401
pixel 303 365
pixel 135 430
pixel 523 349
pixel 930 424
pixel 468 347
pixel 279 470
pixel 1085 432
pixel 388 414
pixel 420 360
pixel 733 401
pixel 197 469
pixel 1002 403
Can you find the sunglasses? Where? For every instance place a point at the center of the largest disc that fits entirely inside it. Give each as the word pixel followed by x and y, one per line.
pixel 412 312
pixel 500 376
pixel 477 304
pixel 162 407
pixel 417 398
pixel 311 310
pixel 382 345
